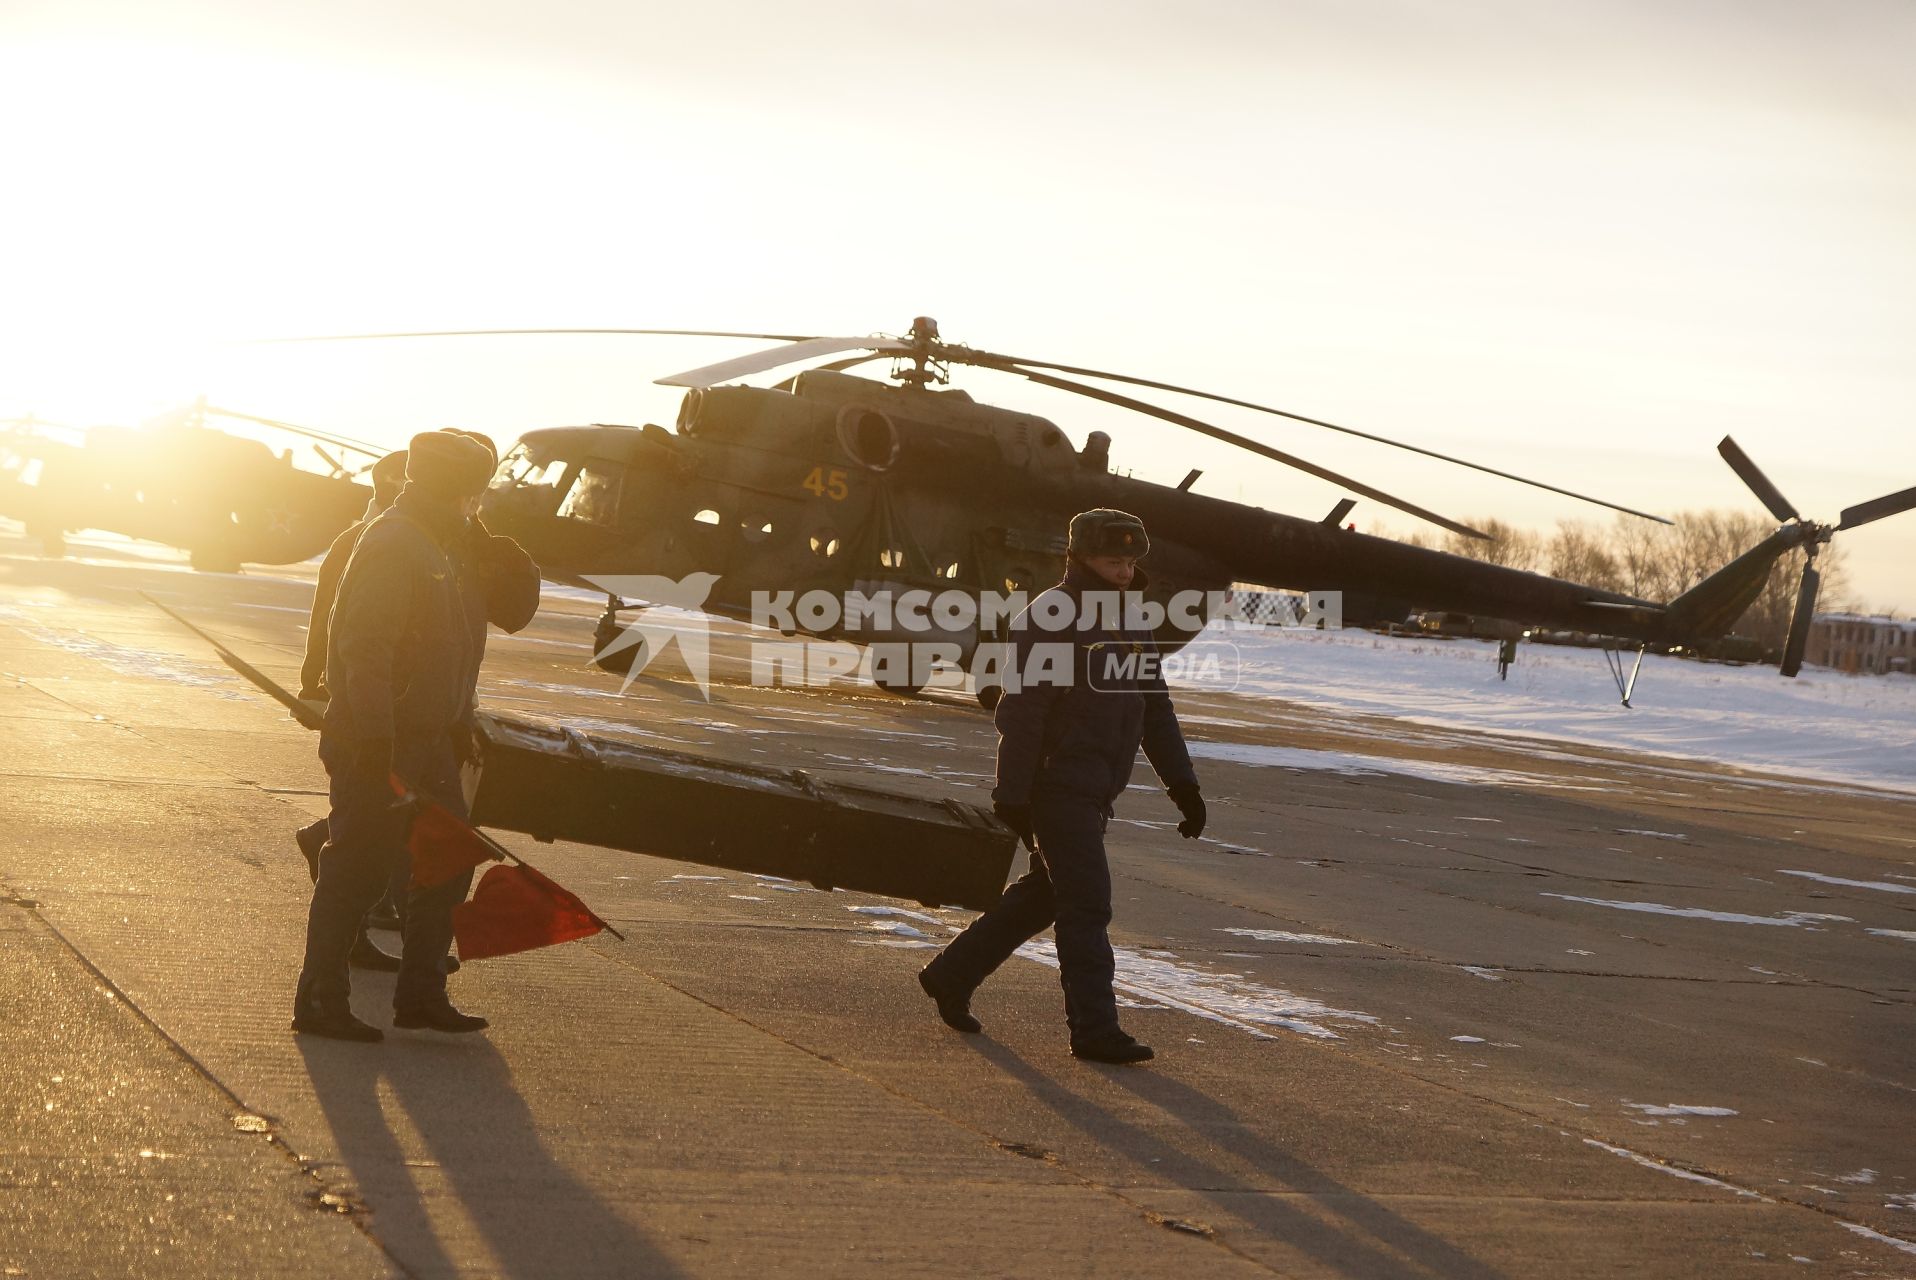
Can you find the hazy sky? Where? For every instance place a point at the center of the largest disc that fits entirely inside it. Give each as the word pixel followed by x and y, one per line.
pixel 1575 240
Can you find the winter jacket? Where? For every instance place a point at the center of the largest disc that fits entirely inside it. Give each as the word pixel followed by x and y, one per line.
pixel 312 671
pixel 1075 736
pixel 506 594
pixel 401 659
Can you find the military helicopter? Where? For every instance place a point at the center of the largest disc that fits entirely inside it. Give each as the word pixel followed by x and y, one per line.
pixel 225 499
pixel 830 480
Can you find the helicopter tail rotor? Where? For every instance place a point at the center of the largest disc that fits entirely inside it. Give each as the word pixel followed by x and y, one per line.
pixel 1812 537
pixel 1805 614
pixel 1759 484
pixel 1865 512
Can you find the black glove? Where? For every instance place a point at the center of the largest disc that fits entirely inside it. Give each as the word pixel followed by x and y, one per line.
pixel 465 745
pixel 1185 796
pixel 1018 818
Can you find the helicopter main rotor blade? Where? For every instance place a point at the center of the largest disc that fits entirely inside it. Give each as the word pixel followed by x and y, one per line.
pixel 324 437
pixel 963 355
pixel 712 375
pixel 507 333
pixel 1888 505
pixel 1254 446
pixel 1759 484
pixel 836 366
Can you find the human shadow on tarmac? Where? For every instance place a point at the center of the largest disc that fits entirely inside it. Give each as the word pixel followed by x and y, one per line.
pixel 1367 1243
pixel 536 1217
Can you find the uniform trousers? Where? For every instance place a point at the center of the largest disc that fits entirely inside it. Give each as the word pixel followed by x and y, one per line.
pixel 1068 888
pixel 365 849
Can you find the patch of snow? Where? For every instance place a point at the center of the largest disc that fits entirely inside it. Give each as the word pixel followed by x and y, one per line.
pixel 903 913
pixel 1850 884
pixel 128 661
pixel 1654 835
pixel 1844 729
pixel 1672 1170
pixel 1869 1234
pixel 1905 934
pixel 896 928
pixel 1227 998
pixel 1677 1109
pixel 1469 1039
pixel 1790 919
pixel 1488 975
pixel 1362 766
pixel 1280 935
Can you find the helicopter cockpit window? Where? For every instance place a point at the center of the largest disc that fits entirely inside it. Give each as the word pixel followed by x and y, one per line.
pixel 594 495
pixel 520 470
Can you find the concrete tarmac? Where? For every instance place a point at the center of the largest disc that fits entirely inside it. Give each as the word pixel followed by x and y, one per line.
pixel 1543 1011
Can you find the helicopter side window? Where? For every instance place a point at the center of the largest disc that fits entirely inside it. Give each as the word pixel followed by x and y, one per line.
pixel 521 471
pixel 594 495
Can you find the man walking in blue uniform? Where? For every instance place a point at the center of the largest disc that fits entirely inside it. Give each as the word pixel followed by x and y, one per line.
pixel 1068 736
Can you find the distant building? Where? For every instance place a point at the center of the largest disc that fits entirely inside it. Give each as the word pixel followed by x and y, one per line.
pixel 1862 645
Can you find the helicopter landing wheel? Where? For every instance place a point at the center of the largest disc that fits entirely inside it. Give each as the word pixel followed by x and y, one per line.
pixel 607 632
pixel 989 694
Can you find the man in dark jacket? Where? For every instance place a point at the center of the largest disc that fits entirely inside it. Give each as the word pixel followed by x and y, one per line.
pixel 401 666
pixel 1068 735
pixel 500 586
pixel 389 477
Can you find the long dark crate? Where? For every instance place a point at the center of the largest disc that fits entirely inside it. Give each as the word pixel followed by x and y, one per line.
pixel 553 783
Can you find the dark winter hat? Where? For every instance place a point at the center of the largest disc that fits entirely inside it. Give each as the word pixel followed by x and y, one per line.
pixel 480 436
pixel 448 465
pixel 389 473
pixel 1105 532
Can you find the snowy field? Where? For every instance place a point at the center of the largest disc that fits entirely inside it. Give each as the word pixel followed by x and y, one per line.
pixel 1856 729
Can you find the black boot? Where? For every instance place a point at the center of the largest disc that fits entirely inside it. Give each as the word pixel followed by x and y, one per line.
pixel 366 954
pixel 335 1023
pixel 311 839
pixel 1114 1046
pixel 439 1017
pixel 954 1006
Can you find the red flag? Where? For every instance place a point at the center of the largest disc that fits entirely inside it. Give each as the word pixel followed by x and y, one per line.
pixel 517 909
pixel 442 843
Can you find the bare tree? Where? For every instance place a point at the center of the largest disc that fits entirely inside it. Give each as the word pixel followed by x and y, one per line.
pixel 1509 546
pixel 1577 552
